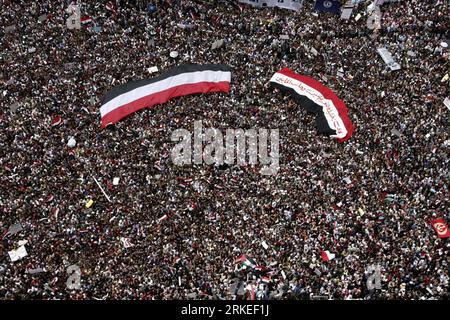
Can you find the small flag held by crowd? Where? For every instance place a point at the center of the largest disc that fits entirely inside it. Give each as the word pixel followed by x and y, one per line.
pixel 86 21
pixel 245 261
pixel 441 228
pixel 56 121
pixel 327 255
pixel 265 279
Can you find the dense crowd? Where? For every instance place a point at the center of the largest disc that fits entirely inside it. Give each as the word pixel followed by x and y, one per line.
pixel 369 200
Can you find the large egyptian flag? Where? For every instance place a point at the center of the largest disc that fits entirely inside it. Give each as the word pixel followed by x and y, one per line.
pixel 331 112
pixel 183 80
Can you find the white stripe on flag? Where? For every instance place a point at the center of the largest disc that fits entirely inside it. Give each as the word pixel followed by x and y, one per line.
pixel 181 79
pixel 327 105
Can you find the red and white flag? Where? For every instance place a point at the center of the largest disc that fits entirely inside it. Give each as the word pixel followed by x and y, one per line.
pixel 49 198
pixel 260 268
pixel 128 98
pixel 86 20
pixel 441 228
pixel 331 112
pixel 327 255
pixel 245 261
pixel 241 258
pixel 56 121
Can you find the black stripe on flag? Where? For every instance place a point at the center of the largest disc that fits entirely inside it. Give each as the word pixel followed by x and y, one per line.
pixel 186 68
pixel 322 126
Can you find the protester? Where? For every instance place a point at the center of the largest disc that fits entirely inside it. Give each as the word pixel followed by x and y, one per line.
pixel 176 232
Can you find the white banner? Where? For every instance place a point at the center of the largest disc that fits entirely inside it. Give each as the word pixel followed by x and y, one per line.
pixel 286 4
pixel 18 254
pixel 387 58
pixel 152 69
pixel 346 12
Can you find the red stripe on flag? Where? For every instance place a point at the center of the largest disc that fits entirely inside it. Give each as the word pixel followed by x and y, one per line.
pixel 162 97
pixel 86 19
